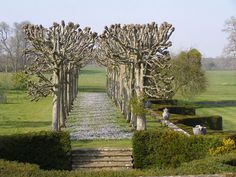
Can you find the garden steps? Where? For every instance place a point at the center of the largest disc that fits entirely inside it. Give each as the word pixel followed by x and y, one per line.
pixel 102 158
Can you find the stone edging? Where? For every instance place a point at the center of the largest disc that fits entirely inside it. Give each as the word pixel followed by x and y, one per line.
pixel 168 123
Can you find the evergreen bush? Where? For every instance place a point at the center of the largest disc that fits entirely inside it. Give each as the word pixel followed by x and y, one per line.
pixel 50 150
pixel 164 149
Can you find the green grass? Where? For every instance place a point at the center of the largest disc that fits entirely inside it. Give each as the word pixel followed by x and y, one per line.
pixel 124 143
pixel 221 88
pixel 20 115
pixel 92 79
pixel 227 112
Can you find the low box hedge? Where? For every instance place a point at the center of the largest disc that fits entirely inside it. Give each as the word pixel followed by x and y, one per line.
pixel 211 122
pixel 50 150
pixel 163 102
pixel 174 109
pixel 164 149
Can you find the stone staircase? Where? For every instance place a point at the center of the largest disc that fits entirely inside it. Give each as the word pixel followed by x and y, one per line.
pixel 102 158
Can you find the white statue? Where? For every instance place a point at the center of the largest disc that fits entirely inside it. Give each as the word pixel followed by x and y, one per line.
pixel 199 130
pixel 166 114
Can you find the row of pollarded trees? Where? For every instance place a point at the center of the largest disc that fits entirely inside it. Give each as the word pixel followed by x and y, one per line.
pixel 57 53
pixel 136 57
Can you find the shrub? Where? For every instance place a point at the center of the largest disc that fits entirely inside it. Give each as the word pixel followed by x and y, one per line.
pixel 228 145
pixel 221 164
pixel 209 165
pixel 15 169
pixel 50 150
pixel 19 80
pixel 165 149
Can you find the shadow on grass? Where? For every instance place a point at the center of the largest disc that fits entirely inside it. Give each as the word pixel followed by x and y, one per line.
pixel 212 104
pixel 100 143
pixel 92 89
pixel 91 72
pixel 24 124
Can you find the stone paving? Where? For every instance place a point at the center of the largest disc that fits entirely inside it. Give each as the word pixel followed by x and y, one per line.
pixel 94 116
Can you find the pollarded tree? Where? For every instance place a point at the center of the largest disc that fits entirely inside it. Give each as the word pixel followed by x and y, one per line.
pixel 135 46
pixel 53 50
pixel 158 78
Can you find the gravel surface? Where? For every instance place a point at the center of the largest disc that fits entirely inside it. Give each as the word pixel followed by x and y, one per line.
pixel 94 116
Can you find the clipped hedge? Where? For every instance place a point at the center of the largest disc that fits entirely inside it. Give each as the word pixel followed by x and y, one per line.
pixel 50 150
pixel 164 149
pixel 211 122
pixel 174 109
pixel 163 102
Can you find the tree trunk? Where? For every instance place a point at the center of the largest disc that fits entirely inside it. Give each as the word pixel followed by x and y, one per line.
pixel 62 105
pixel 69 89
pixel 141 123
pixel 56 101
pixel 65 91
pixel 141 120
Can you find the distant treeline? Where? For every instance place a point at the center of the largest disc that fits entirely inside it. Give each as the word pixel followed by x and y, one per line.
pixel 219 63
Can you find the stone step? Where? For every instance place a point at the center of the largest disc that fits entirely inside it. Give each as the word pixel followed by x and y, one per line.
pixel 101 154
pixel 107 154
pixel 103 168
pixel 101 149
pixel 102 159
pixel 102 165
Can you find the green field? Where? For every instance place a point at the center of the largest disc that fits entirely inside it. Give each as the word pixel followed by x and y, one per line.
pixel 221 86
pixel 92 79
pixel 221 89
pixel 20 115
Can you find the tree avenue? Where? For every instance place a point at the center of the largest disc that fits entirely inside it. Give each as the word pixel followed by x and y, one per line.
pixel 57 53
pixel 135 56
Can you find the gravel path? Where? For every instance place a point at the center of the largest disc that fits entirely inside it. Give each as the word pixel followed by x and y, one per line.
pixel 94 116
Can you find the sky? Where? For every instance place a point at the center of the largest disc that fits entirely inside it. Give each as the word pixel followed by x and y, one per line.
pixel 198 23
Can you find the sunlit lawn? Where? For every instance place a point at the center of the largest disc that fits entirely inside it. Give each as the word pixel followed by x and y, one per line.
pixel 20 115
pixel 221 87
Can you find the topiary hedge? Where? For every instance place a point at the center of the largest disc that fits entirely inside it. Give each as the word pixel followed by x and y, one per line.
pixel 174 109
pixel 164 149
pixel 50 150
pixel 163 102
pixel 211 122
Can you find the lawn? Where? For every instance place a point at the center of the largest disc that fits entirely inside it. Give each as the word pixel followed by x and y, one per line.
pixel 92 79
pixel 221 89
pixel 20 115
